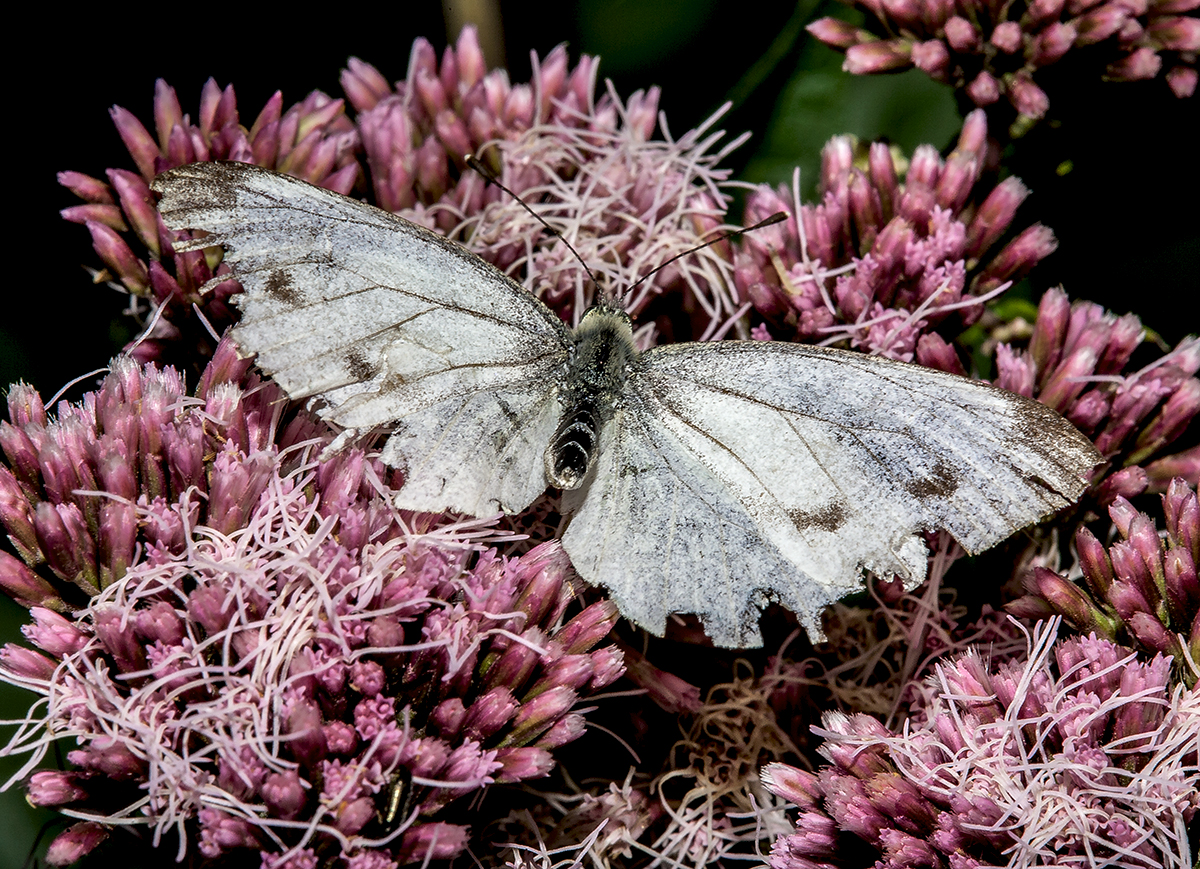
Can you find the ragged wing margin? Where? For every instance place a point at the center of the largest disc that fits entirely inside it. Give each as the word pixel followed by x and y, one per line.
pixel 792 467
pixel 387 323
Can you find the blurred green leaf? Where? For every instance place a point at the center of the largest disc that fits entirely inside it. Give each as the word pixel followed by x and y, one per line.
pixel 821 101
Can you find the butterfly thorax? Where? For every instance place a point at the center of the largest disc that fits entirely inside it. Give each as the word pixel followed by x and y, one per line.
pixel 602 352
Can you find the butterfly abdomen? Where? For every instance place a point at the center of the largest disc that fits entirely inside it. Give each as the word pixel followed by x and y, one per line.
pixel 601 355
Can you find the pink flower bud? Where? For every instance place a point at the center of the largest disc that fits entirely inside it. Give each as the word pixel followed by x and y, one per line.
pixel 306 739
pixel 567 729
pixel 469 56
pixel 539 713
pixel 907 12
pixel 1067 598
pixel 882 170
pixel 523 763
pixel 424 843
pixel 1182 80
pixel 1144 63
pixel 1125 483
pixel 934 352
pixel 1052 43
pixel 544 571
pixel 140 143
pixel 1152 634
pixel 284 794
pixel 795 785
pixel 957 178
pixel 53 633
pixel 608 665
pixel 110 757
pixel 984 89
pixel 1100 23
pixel 108 215
pixel 53 788
pixel 671 693
pixel 1018 257
pixel 26 663
pixel 74 843
pixel 995 215
pixel 488 714
pixel 355 815
pixel 835 32
pixel 1040 11
pixel 340 737
pixel 1007 37
pixel 116 254
pixel 220 832
pixel 70 551
pixel 872 57
pixel 87 188
pixel 1170 422
pixel 138 204
pixel 1027 98
pixel 22 584
pixel 933 58
pixel 588 628
pixel 962 35
pixel 367 678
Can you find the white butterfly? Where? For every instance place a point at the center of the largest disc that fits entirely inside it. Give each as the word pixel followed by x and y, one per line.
pixel 706 478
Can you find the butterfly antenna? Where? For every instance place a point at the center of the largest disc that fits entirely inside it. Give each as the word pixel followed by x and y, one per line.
pixel 491 178
pixel 777 217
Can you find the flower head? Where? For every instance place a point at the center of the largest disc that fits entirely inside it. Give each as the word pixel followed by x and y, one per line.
pixel 1081 751
pixel 258 640
pixel 1141 589
pixel 1077 362
pixel 996 54
pixel 880 262
pixel 312 139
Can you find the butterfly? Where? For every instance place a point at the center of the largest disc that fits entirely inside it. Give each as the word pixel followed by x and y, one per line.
pixel 706 478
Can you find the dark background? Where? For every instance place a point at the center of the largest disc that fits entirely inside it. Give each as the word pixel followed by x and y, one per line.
pixel 1126 215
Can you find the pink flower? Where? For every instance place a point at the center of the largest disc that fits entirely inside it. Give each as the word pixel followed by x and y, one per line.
pixel 1141 589
pixel 1077 362
pixel 989 52
pixel 881 262
pixel 1081 750
pixel 318 642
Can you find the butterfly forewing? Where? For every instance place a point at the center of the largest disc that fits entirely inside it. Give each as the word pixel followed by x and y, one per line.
pixel 390 324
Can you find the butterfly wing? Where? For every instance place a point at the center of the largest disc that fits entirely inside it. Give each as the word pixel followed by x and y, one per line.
pixel 388 323
pixel 740 472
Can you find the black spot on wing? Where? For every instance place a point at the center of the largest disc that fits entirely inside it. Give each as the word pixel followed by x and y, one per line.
pixel 940 483
pixel 829 517
pixel 358 365
pixel 279 287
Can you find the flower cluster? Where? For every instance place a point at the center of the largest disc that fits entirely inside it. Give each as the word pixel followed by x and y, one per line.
pixel 994 51
pixel 1142 587
pixel 901 256
pixel 272 655
pixel 312 140
pixel 623 200
pixel 1076 363
pixel 1080 755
